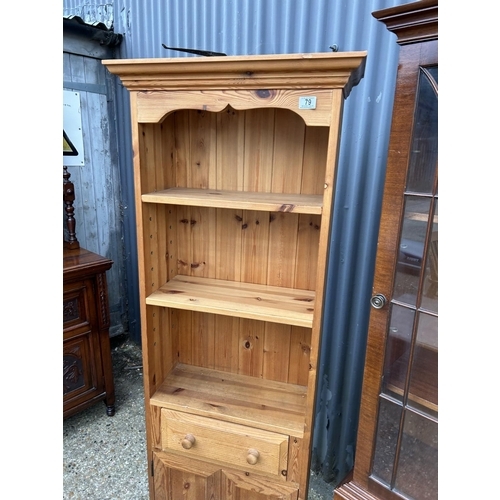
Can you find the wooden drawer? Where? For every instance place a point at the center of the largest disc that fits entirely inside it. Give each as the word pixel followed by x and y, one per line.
pixel 75 306
pixel 226 443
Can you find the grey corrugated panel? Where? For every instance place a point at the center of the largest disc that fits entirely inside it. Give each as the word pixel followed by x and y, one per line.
pixel 79 20
pixel 239 27
pixel 90 11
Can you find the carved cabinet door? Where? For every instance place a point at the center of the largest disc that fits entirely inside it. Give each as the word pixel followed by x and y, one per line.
pixel 82 367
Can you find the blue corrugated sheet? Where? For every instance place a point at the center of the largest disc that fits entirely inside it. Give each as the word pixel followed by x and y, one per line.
pixel 238 27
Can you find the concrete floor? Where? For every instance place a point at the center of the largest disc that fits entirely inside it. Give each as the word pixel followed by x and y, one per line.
pixel 104 458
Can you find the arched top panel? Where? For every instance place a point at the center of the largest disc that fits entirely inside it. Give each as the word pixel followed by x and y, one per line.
pixel 315 107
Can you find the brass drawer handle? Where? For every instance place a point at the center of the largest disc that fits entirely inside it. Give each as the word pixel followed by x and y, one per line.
pixel 253 456
pixel 188 441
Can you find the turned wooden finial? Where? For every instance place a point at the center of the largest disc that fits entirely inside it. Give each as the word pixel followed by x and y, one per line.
pixel 69 198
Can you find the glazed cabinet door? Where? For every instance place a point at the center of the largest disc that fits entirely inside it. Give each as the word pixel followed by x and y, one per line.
pixel 397 442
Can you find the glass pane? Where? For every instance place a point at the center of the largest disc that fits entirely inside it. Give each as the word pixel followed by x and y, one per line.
pixel 417 475
pixel 433 70
pixel 386 440
pixel 424 148
pixel 423 390
pixel 430 295
pixel 411 249
pixel 397 354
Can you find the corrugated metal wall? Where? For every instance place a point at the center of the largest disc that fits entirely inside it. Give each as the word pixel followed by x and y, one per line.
pixel 239 27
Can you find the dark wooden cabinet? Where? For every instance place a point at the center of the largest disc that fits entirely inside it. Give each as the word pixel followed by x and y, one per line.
pixel 397 441
pixel 87 365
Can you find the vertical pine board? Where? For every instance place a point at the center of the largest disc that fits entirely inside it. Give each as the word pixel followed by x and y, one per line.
pixel 255 246
pixel 172 255
pixel 154 349
pixel 161 213
pixel 283 229
pixel 228 246
pixel 314 162
pixel 167 128
pixel 307 251
pixel 289 134
pixel 184 240
pixel 230 149
pixel 313 180
pixel 203 238
pixel 258 160
pixel 182 156
pixel 175 322
pixel 276 352
pixel 300 349
pixel 226 335
pixel 230 133
pixel 294 453
pixel 184 324
pixel 201 167
pixel 286 178
pixel 251 347
pixel 169 341
pixel 258 150
pixel 203 340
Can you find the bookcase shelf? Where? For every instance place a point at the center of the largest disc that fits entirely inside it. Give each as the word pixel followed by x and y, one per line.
pixel 245 200
pixel 275 304
pixel 266 404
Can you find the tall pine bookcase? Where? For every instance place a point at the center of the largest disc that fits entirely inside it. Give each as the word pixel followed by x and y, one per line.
pixel 234 172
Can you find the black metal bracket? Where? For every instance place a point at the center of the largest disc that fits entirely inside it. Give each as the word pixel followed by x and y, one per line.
pixel 207 53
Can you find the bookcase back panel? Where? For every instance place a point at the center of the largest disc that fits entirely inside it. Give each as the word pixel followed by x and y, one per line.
pixel 260 150
pixel 237 345
pixel 268 248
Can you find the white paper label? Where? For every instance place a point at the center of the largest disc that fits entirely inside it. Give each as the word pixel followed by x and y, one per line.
pixel 307 102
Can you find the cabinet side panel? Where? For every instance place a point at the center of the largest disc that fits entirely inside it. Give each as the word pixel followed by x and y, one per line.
pixel 161 345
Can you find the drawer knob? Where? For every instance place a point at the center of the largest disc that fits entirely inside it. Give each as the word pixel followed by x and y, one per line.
pixel 188 441
pixel 253 456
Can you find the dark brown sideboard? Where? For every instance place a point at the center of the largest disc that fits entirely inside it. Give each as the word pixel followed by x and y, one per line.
pixel 88 371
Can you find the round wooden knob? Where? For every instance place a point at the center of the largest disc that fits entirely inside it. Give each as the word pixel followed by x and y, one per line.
pixel 188 441
pixel 252 456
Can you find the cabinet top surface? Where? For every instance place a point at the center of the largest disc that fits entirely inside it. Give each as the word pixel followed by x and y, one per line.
pixel 81 259
pixel 308 70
